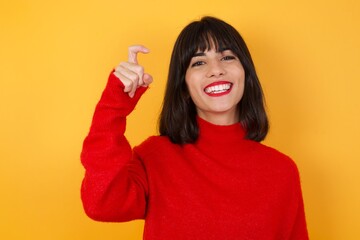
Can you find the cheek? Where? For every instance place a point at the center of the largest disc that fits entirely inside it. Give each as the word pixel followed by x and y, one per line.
pixel 190 88
pixel 192 92
pixel 241 78
pixel 241 86
pixel 188 79
pixel 191 82
pixel 188 85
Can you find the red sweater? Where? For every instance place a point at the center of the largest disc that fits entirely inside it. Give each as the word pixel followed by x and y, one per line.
pixel 221 187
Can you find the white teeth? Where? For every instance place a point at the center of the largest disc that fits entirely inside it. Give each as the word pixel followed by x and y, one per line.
pixel 218 88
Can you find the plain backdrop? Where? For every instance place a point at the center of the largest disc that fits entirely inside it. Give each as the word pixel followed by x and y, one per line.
pixel 55 57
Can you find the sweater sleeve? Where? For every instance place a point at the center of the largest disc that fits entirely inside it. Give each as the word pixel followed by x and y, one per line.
pixel 114 187
pixel 299 229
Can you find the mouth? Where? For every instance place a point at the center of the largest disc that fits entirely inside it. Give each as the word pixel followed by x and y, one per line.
pixel 218 88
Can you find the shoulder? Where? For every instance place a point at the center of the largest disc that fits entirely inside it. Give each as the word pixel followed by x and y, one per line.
pixel 278 161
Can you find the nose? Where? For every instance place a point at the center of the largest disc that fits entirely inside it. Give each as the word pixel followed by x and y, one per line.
pixel 215 69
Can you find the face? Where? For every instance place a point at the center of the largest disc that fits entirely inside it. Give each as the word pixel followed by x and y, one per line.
pixel 216 85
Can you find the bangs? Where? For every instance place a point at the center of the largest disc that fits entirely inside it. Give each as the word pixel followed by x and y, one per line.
pixel 205 35
pixel 208 40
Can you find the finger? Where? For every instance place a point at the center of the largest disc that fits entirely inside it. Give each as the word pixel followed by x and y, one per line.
pixel 128 77
pixel 128 84
pixel 147 79
pixel 130 69
pixel 134 50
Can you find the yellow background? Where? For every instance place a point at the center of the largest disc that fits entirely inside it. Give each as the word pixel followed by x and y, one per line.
pixel 55 57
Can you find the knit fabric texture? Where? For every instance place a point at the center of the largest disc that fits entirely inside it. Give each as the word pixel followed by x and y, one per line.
pixel 221 187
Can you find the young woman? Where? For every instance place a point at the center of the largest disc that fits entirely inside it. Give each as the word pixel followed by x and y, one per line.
pixel 207 176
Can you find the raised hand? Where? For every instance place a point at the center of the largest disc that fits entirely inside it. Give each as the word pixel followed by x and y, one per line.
pixel 131 74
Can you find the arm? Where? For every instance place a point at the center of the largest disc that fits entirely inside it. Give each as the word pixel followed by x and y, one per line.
pixel 114 187
pixel 299 229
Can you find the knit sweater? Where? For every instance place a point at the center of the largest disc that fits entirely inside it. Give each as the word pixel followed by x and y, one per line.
pixel 221 187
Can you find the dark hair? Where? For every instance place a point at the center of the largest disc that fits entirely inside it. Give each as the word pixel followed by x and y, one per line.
pixel 178 116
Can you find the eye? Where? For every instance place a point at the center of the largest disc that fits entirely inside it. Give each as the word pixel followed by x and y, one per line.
pixel 197 63
pixel 228 58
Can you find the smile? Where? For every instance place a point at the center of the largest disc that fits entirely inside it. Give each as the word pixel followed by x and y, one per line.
pixel 218 88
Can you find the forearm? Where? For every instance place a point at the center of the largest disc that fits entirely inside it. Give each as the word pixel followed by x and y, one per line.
pixel 109 192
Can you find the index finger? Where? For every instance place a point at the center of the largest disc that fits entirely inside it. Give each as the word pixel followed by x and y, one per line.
pixel 134 50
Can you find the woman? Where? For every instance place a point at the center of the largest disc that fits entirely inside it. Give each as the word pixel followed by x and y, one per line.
pixel 207 176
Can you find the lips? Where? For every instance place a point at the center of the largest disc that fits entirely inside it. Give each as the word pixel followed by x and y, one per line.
pixel 218 88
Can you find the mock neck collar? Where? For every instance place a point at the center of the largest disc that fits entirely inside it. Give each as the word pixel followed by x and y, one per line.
pixel 220 133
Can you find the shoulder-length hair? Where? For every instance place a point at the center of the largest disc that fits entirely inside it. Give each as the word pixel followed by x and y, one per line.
pixel 178 116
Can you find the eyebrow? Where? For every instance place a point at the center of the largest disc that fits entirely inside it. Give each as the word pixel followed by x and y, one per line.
pixel 200 54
